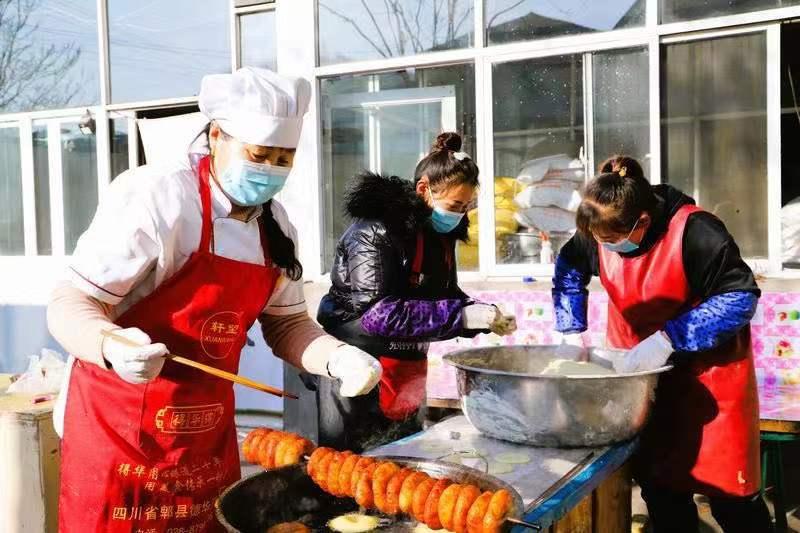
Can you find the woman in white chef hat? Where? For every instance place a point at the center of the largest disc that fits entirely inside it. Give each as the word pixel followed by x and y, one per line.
pixel 185 257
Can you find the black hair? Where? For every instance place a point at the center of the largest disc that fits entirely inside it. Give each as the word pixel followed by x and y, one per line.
pixel 281 247
pixel 616 198
pixel 443 167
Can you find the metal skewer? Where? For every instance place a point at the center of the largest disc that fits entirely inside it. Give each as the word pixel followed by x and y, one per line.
pixel 208 369
pixel 523 523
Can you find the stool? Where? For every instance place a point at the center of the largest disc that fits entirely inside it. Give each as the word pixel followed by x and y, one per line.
pixel 772 469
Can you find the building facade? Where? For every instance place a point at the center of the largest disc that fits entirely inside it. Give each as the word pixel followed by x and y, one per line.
pixel 704 92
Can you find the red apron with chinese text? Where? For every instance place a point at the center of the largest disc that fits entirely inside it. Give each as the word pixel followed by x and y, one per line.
pixel 703 436
pixel 154 457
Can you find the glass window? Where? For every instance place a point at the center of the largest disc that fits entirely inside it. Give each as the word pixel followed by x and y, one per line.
pixel 677 10
pixel 257 40
pixel 12 229
pixel 41 183
pixel 790 139
pixel 387 122
pixel 79 171
pixel 524 20
pixel 539 140
pixel 163 49
pixel 621 105
pixel 714 131
pixel 118 134
pixel 50 55
pixel 353 30
pixel 538 147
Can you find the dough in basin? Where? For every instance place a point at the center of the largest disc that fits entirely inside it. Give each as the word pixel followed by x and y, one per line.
pixel 566 367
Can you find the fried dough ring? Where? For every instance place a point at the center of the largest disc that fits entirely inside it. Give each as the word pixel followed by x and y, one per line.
pixel 407 489
pixel 266 452
pixel 346 474
pixel 477 512
pixel 393 490
pixel 280 450
pixel 362 464
pixel 447 505
pixel 432 503
pixel 252 438
pixel 380 481
pixel 333 472
pixel 499 507
pixel 313 461
pixel 322 470
pixel 467 496
pixel 364 496
pixel 296 450
pixel 421 497
pixel 255 447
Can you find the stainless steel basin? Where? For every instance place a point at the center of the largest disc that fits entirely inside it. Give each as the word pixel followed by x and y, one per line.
pixel 504 396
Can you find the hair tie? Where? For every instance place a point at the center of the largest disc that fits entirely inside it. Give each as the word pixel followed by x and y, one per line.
pixel 461 155
pixel 622 171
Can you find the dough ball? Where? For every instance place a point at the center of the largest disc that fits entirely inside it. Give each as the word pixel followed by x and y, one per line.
pixel 496 468
pixel 354 523
pixel 512 458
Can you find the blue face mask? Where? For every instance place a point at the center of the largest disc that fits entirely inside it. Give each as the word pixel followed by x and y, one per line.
pixel 625 246
pixel 444 221
pixel 250 184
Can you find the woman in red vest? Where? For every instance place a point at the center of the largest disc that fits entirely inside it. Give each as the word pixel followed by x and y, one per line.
pixel 679 292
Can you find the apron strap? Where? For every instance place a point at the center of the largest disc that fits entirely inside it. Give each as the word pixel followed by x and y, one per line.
pixel 448 253
pixel 262 231
pixel 416 265
pixel 207 231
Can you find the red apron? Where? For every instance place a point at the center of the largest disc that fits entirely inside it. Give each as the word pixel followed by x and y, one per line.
pixel 402 387
pixel 703 436
pixel 154 457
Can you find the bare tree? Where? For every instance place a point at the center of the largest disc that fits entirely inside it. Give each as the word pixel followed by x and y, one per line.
pixel 404 27
pixel 32 74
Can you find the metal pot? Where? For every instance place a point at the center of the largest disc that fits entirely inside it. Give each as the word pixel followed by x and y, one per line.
pixel 504 396
pixel 526 247
pixel 287 494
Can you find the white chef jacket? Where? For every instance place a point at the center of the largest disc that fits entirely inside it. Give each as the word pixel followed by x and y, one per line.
pixel 147 226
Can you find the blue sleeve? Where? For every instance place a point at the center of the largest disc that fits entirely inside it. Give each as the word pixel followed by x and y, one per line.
pixel 714 321
pixel 570 297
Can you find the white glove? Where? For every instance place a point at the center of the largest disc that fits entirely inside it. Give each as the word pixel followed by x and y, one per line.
pixel 572 348
pixel 480 316
pixel 134 364
pixel 649 354
pixel 358 371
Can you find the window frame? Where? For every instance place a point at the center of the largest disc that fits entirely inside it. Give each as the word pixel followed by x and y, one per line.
pixel 248 8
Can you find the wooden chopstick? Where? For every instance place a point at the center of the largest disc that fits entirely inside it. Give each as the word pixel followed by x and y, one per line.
pixel 208 369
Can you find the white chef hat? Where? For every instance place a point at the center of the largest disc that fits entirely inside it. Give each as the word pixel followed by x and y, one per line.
pixel 256 105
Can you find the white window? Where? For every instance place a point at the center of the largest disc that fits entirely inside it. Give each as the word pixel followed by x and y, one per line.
pixel 691 89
